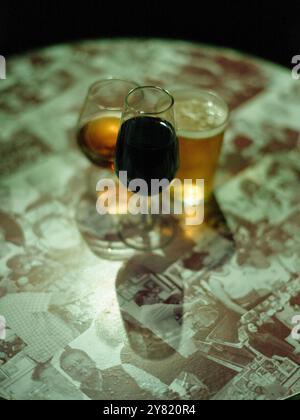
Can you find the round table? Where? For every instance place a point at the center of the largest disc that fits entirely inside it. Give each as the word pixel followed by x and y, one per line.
pixel 207 318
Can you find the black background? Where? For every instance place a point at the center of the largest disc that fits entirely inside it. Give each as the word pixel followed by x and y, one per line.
pixel 267 29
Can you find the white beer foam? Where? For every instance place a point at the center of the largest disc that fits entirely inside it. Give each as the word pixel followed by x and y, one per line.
pixel 199 118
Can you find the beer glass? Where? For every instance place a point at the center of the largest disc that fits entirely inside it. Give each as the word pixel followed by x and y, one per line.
pixel 201 119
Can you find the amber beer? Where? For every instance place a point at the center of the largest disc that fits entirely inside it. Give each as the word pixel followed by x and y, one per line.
pixel 201 118
pixel 97 138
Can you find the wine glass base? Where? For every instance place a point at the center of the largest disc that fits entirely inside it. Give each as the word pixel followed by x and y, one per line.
pixel 157 236
pixel 101 233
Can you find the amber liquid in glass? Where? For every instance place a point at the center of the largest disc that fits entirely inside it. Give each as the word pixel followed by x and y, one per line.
pixel 200 137
pixel 199 159
pixel 97 139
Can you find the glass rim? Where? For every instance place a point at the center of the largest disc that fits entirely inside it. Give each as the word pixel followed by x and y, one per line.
pixel 154 87
pixel 211 93
pixel 105 81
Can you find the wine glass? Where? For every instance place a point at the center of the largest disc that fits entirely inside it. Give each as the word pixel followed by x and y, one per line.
pixel 97 130
pixel 99 120
pixel 147 149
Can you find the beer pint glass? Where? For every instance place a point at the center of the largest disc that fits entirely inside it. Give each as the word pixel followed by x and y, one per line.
pixel 201 119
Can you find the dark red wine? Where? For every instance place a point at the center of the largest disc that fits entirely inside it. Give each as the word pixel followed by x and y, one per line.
pixel 147 148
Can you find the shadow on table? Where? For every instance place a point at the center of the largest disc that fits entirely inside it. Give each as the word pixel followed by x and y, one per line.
pixel 151 288
pixel 151 306
pixel 161 313
pixel 101 232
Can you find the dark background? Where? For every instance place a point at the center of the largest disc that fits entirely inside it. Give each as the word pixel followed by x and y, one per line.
pixel 267 29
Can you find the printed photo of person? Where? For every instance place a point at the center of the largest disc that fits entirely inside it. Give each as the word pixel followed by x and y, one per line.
pixel 9 347
pixel 30 317
pixel 106 384
pixel 43 382
pixel 270 340
pixel 147 295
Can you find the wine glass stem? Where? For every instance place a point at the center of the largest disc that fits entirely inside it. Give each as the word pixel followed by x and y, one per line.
pixel 147 222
